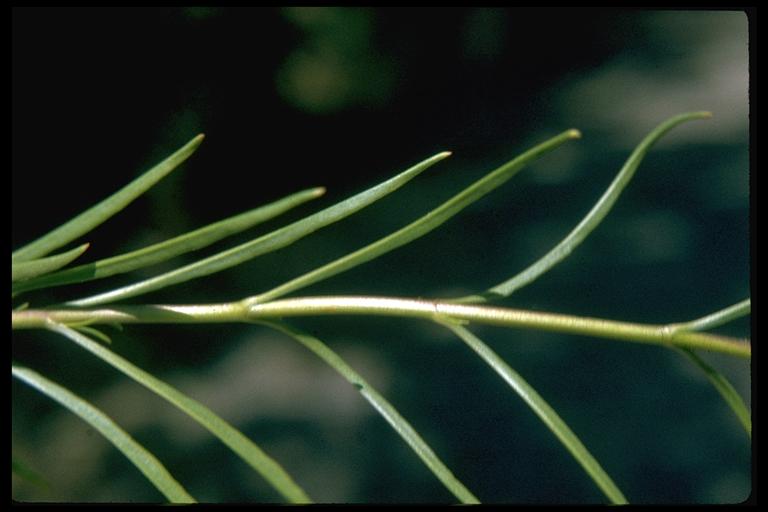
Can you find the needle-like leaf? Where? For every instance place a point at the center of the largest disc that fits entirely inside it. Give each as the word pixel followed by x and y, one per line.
pixel 724 387
pixel 233 438
pixel 264 244
pixel 590 221
pixel 29 269
pixel 168 249
pixel 423 225
pixel 102 211
pixel 383 407
pixel 715 319
pixel 543 410
pixel 147 463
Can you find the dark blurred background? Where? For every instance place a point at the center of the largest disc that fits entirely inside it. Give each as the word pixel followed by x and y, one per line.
pixel 347 97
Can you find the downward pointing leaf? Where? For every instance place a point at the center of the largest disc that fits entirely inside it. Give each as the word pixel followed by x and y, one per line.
pixel 543 410
pixel 230 436
pixel 147 463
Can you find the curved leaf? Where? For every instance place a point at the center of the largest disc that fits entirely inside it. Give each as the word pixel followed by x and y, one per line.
pixel 383 407
pixel 264 244
pixel 423 225
pixel 168 249
pixel 715 319
pixel 724 387
pixel 33 268
pixel 147 463
pixel 102 211
pixel 233 438
pixel 543 410
pixel 590 221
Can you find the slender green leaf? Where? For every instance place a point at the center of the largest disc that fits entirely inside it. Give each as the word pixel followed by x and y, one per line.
pixel 147 463
pixel 94 333
pixel 715 319
pixel 33 268
pixel 423 225
pixel 168 249
pixel 542 410
pixel 725 388
pixel 590 221
pixel 233 438
pixel 264 244
pixel 102 211
pixel 383 407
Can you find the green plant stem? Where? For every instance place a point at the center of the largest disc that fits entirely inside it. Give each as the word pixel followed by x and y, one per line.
pixel 662 335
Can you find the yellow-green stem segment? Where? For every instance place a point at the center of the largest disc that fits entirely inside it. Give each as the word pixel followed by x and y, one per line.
pixel 386 306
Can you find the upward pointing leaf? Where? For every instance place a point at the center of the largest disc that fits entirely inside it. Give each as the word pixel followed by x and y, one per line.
pixel 423 225
pixel 590 221
pixel 41 266
pixel 264 244
pixel 102 211
pixel 167 249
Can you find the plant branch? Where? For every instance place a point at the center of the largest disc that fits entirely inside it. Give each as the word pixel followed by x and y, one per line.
pixel 654 334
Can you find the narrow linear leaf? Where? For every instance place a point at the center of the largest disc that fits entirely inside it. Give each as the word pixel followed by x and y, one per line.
pixel 102 211
pixel 542 410
pixel 423 225
pixel 721 384
pixel 33 268
pixel 147 463
pixel 716 319
pixel 590 221
pixel 383 407
pixel 724 387
pixel 264 244
pixel 168 249
pixel 231 437
pixel 95 333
